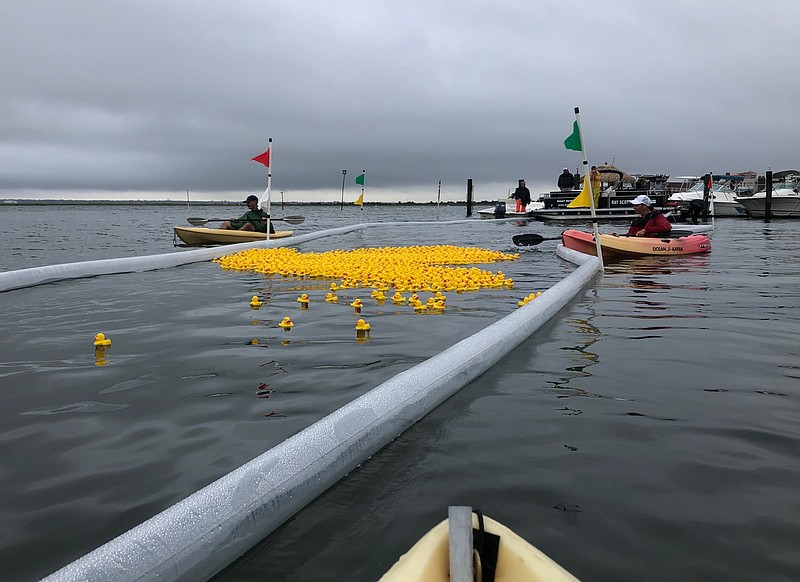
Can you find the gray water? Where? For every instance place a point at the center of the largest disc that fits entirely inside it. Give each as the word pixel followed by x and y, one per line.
pixel 649 431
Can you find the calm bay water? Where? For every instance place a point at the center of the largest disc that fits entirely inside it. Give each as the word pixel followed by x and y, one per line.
pixel 649 431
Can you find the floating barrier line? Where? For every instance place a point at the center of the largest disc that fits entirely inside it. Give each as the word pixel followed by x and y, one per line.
pixel 33 276
pixel 202 534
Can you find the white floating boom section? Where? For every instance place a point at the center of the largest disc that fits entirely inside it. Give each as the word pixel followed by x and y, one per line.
pixel 199 536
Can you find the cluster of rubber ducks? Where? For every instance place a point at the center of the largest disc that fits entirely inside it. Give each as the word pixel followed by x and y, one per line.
pixel 528 299
pixel 414 268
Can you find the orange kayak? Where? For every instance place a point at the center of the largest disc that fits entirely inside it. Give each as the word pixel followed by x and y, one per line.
pixel 636 246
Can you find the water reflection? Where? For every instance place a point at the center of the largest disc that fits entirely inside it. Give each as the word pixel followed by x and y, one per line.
pixel 582 358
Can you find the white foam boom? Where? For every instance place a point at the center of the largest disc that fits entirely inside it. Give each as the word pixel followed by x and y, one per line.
pixel 200 535
pixel 49 274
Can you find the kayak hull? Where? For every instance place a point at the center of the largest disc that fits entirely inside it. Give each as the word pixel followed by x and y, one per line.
pixel 428 559
pixel 632 246
pixel 215 236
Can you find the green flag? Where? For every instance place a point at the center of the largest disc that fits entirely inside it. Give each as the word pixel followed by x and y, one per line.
pixel 573 142
pixel 360 179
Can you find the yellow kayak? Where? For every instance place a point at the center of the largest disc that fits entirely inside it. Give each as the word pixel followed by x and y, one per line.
pixel 215 236
pixel 446 553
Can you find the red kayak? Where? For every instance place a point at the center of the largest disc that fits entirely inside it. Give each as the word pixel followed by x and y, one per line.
pixel 636 246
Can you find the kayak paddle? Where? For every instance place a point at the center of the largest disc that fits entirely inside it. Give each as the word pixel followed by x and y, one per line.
pixel 196 221
pixel 527 240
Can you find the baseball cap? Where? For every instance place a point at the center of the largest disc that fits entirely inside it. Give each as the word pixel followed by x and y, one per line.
pixel 251 197
pixel 642 199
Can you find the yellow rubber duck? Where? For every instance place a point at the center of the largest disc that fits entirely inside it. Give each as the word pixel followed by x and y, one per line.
pixel 255 302
pixel 398 298
pixel 357 303
pixel 419 306
pixel 331 298
pixel 286 324
pixel 362 325
pixel 100 341
pixel 303 299
pixel 379 296
pixel 438 305
pixel 334 287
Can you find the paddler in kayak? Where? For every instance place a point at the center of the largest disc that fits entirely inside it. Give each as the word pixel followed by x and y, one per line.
pixel 254 219
pixel 650 221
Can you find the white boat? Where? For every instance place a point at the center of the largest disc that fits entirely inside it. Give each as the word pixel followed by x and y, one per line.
pixel 785 201
pixel 470 546
pixel 723 196
pixel 507 208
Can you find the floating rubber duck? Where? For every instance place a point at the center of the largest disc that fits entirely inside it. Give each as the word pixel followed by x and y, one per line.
pixel 398 298
pixel 439 296
pixel 419 306
pixel 286 324
pixel 331 298
pixel 100 341
pixel 255 302
pixel 303 300
pixel 362 325
pixel 334 287
pixel 379 296
pixel 438 305
pixel 414 297
pixel 357 304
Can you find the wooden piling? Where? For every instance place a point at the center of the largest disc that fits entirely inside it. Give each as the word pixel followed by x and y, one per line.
pixel 768 199
pixel 469 197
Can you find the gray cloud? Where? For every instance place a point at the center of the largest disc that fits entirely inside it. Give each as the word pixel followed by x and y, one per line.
pixel 169 96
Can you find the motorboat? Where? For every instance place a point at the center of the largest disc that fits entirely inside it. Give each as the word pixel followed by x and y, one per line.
pixel 508 209
pixel 722 198
pixel 785 199
pixel 614 201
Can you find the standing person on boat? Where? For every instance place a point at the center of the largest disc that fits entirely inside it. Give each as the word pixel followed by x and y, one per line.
pixel 522 195
pixel 650 220
pixel 594 178
pixel 254 219
pixel 566 181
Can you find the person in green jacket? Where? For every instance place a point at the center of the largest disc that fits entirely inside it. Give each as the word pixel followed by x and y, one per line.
pixel 254 219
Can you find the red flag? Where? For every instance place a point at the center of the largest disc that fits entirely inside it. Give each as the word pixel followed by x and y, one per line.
pixel 263 158
pixel 710 181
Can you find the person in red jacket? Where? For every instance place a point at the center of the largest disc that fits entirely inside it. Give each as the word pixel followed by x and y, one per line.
pixel 650 221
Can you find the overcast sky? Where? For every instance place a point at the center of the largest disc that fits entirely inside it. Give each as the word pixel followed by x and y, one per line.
pixel 165 96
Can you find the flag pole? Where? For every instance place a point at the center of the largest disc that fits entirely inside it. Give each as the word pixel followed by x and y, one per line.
pixel 363 184
pixel 591 191
pixel 344 175
pixel 268 191
pixel 438 199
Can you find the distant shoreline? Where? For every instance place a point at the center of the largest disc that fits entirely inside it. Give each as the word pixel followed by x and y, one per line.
pixel 26 202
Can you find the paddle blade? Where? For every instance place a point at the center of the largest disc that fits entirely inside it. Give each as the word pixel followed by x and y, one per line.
pixel 292 219
pixel 527 240
pixel 197 221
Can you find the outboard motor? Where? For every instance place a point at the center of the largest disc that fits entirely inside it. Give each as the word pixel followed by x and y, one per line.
pixel 500 210
pixel 696 208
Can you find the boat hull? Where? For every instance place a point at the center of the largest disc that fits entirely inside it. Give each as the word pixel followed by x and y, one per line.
pixel 782 205
pixel 632 246
pixel 216 236
pixel 511 211
pixel 517 560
